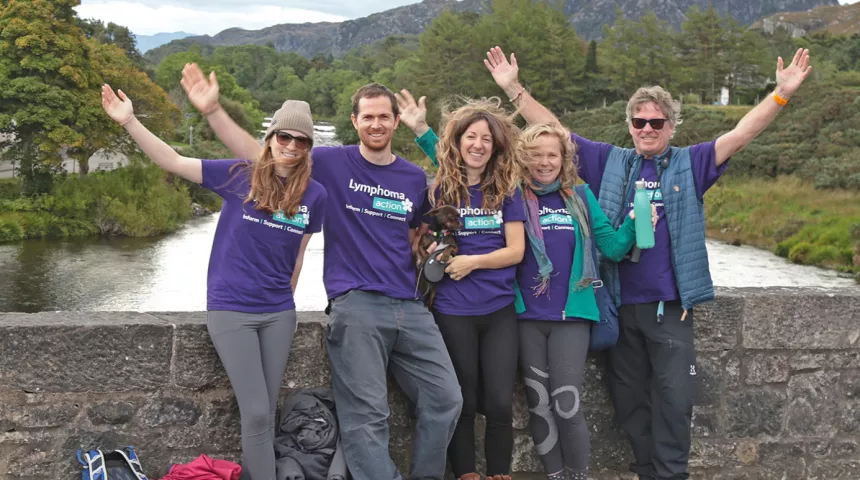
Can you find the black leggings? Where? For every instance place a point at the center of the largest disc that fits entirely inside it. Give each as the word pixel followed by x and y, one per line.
pixel 483 349
pixel 552 359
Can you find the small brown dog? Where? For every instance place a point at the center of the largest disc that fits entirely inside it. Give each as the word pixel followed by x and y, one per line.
pixel 444 222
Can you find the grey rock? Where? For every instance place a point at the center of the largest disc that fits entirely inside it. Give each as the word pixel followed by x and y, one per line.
pixel 708 379
pixel 179 412
pixel 84 352
pixel 808 361
pixel 783 461
pixel 765 368
pixel 718 323
pixel 221 424
pixel 37 415
pixel 802 321
pixel 195 361
pixel 705 423
pixel 111 412
pixel 709 454
pixel 754 412
pixel 850 382
pixel 850 418
pixel 804 417
pixel 834 470
pixel 845 359
pixel 814 406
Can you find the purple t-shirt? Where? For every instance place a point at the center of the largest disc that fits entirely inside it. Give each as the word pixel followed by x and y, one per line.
pixel 254 252
pixel 653 278
pixel 371 209
pixel 483 291
pixel 559 236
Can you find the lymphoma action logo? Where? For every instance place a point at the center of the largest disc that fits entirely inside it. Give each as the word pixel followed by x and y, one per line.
pixel 481 218
pixel 383 199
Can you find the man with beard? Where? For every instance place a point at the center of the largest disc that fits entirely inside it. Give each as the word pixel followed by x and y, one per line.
pixel 376 202
pixel 653 366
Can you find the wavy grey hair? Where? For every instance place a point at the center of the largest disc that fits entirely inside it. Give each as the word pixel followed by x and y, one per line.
pixel 663 99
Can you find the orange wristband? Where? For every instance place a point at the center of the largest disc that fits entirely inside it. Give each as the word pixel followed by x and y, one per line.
pixel 781 101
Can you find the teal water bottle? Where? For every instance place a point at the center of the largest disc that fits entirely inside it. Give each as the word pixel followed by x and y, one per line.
pixel 642 211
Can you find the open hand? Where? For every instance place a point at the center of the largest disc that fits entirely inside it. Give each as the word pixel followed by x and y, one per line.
pixel 460 266
pixel 202 93
pixel 654 216
pixel 119 108
pixel 506 74
pixel 413 114
pixel 788 79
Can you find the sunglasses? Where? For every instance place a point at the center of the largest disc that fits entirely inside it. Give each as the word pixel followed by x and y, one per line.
pixel 656 123
pixel 284 139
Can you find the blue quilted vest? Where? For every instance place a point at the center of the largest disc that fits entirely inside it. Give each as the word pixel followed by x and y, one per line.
pixel 684 212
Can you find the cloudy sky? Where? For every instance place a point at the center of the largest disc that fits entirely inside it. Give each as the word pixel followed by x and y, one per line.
pixel 146 17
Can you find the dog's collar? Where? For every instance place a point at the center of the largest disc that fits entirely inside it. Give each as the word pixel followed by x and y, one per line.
pixel 443 233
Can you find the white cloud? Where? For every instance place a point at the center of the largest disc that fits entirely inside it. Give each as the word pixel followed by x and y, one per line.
pixel 150 19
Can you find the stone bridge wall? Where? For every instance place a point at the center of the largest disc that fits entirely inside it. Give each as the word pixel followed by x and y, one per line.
pixel 778 390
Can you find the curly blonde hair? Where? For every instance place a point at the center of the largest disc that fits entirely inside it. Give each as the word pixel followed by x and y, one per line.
pixel 503 170
pixel 569 158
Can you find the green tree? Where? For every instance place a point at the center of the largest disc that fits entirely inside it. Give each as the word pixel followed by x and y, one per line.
pixel 708 49
pixel 639 53
pixel 116 35
pixel 591 58
pixel 448 58
pixel 45 75
pixel 152 106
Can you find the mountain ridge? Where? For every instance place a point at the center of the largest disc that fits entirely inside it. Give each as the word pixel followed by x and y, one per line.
pixel 587 16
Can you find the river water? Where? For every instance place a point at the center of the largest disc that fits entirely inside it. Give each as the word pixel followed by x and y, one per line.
pixel 168 273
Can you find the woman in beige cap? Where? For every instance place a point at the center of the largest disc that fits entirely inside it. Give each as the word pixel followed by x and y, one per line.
pixel 271 208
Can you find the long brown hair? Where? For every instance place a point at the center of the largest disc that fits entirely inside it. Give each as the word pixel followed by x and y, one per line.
pixel 272 192
pixel 504 168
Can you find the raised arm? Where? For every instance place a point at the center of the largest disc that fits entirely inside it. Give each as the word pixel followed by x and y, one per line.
pixel 788 80
pixel 121 111
pixel 414 115
pixel 203 94
pixel 506 75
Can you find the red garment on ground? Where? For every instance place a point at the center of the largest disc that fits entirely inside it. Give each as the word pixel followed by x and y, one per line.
pixel 205 468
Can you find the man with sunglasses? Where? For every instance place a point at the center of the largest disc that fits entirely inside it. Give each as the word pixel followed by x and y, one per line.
pixel 653 365
pixel 376 200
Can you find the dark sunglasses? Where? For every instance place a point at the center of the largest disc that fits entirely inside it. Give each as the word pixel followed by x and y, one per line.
pixel 284 138
pixel 656 123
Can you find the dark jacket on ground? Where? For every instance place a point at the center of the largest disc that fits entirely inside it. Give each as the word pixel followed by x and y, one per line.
pixel 307 441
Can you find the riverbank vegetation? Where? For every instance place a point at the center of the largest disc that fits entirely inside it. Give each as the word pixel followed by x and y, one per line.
pixel 790 218
pixel 138 200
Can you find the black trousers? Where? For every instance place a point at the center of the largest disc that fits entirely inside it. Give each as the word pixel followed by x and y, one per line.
pixel 652 379
pixel 484 352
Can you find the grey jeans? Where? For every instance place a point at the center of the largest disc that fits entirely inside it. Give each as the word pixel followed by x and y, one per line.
pixel 368 334
pixel 253 348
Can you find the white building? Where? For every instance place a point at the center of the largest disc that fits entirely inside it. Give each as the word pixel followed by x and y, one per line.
pixel 101 160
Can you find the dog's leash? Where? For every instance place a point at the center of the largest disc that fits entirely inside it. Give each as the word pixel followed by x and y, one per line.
pixel 435 264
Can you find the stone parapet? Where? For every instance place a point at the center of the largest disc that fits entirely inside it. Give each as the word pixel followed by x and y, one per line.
pixel 778 393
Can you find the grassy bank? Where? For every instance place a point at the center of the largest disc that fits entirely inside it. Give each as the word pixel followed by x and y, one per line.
pixel 139 200
pixel 790 218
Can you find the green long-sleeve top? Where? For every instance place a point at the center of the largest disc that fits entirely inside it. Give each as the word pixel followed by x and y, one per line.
pixel 564 301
